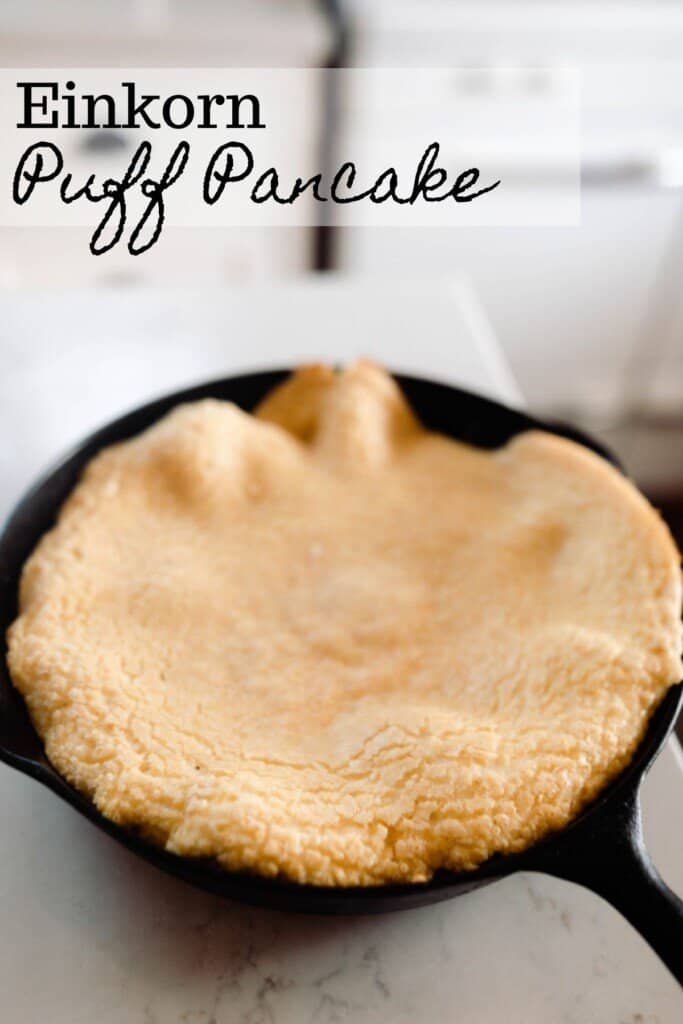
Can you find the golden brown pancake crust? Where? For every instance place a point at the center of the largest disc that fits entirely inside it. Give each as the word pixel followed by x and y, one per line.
pixel 325 643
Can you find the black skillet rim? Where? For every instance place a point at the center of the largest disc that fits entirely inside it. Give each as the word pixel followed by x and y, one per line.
pixel 484 423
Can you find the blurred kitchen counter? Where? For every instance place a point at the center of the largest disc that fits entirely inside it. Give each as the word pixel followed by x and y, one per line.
pixel 89 932
pixel 70 360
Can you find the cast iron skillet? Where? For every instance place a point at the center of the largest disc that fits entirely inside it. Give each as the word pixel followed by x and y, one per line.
pixel 603 849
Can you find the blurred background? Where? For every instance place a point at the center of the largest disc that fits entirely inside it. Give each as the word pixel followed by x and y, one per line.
pixel 589 319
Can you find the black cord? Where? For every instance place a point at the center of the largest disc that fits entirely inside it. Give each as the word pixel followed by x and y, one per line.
pixel 325 236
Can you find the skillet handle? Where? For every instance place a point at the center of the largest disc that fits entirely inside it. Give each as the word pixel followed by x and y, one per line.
pixel 613 861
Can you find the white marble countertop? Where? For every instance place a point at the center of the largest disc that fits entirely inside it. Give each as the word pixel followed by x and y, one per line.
pixel 88 932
